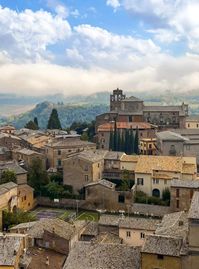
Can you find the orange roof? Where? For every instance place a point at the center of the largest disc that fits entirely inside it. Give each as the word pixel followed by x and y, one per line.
pixel 106 127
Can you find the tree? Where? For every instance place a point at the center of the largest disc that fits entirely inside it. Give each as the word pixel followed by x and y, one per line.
pixel 14 218
pixel 36 122
pixel 37 176
pixel 84 136
pixel 8 176
pixel 136 143
pixel 111 142
pixel 126 148
pixel 54 190
pixel 115 136
pixel 131 142
pixel 54 122
pixel 166 195
pixel 31 125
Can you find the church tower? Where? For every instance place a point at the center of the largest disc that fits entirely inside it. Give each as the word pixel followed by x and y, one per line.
pixel 115 100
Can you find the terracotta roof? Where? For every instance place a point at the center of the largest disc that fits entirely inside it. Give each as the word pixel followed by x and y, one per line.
pixel 194 208
pixel 86 255
pixel 146 164
pixel 139 223
pixel 163 245
pixel 129 158
pixel 174 224
pixel 106 127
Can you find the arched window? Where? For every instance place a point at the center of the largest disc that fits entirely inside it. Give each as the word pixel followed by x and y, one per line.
pixel 156 193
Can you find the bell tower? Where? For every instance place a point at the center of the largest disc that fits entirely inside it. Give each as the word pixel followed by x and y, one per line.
pixel 115 99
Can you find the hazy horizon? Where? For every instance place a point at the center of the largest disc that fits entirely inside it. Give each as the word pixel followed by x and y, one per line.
pixel 65 46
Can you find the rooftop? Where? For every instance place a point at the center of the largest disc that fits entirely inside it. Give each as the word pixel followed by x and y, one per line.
pixel 60 227
pixel 107 256
pixel 163 245
pixel 146 164
pixel 102 182
pixel 107 238
pixel 7 187
pixel 9 246
pixel 174 224
pixel 70 142
pixel 139 223
pixel 93 155
pixel 171 136
pixel 112 220
pixel 153 210
pixel 3 135
pixel 194 208
pixel 129 158
pixel 27 151
pixel 12 166
pixel 91 229
pixel 106 127
pixel 192 184
pixel 114 155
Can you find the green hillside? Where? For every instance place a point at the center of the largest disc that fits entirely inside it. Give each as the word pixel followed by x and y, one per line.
pixel 67 114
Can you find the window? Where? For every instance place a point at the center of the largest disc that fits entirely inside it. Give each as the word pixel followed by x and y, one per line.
pixel 102 134
pixel 177 193
pixel 142 235
pixel 150 146
pixel 128 234
pixel 86 168
pixel 197 125
pixel 102 146
pixel 86 178
pixel 160 257
pixel 155 181
pixel 59 162
pixel 130 118
pixel 25 198
pixel 59 152
pixel 121 198
pixel 187 147
pixel 140 181
pixel 98 165
pixel 188 125
pixel 177 204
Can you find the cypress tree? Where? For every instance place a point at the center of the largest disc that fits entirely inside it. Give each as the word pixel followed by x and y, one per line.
pixel 54 122
pixel 122 147
pixel 36 122
pixel 111 140
pixel 131 144
pixel 136 143
pixel 126 148
pixel 115 137
pixel 31 125
pixel 118 140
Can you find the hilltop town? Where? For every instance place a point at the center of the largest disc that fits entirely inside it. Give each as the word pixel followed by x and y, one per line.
pixel 122 193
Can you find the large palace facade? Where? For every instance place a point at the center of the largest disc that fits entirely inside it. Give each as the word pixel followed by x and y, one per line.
pixel 132 109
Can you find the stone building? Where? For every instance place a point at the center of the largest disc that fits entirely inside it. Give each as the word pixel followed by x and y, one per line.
pixel 26 157
pixel 153 174
pixel 59 150
pixel 132 109
pixel 148 146
pixel 192 122
pixel 7 129
pixel 146 130
pixel 103 195
pixel 83 168
pixel 5 154
pixel 21 174
pixel 182 142
pixel 9 141
pixel 54 234
pixel 12 251
pixel 181 193
pixel 86 255
pixel 133 231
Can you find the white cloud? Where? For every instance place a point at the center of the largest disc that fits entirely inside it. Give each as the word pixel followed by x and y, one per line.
pixel 26 35
pixel 62 11
pixel 113 3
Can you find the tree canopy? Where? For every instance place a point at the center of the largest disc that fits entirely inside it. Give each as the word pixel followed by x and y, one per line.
pixel 8 176
pixel 54 122
pixel 31 125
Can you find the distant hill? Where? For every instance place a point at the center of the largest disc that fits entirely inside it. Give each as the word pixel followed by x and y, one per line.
pixel 67 114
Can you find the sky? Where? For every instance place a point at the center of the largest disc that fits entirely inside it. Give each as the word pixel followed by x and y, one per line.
pixel 86 46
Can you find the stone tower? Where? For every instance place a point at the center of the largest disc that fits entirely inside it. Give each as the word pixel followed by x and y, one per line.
pixel 115 100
